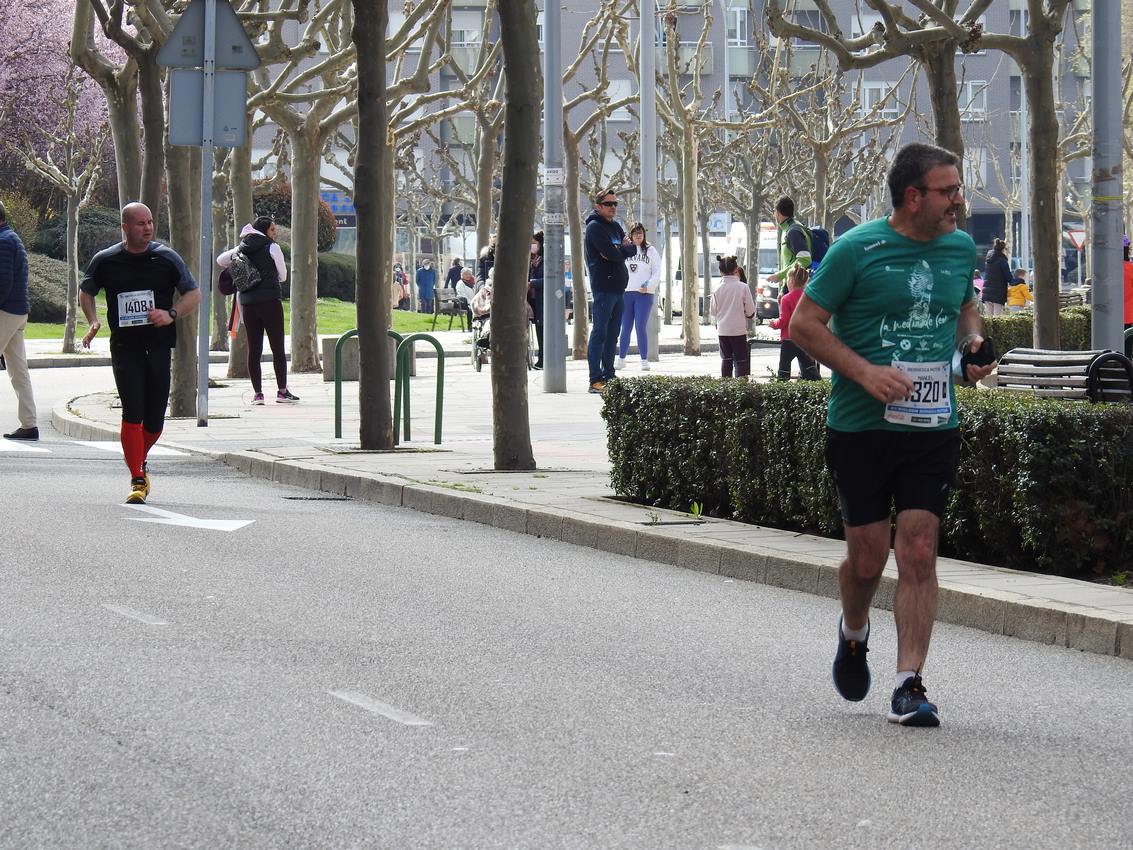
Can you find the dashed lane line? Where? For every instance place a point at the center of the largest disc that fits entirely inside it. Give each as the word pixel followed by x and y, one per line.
pixel 377 707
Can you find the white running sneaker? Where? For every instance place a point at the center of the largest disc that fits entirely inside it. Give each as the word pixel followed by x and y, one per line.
pixel 620 363
pixel 645 367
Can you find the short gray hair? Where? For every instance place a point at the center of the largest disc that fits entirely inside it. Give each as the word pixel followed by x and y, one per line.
pixel 910 166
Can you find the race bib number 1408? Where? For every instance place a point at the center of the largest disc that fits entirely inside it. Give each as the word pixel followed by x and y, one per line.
pixel 134 307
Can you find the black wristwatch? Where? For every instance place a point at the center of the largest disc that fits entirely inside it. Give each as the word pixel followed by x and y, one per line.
pixel 172 311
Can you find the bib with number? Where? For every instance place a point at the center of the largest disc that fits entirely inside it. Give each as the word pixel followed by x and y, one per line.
pixel 134 307
pixel 929 405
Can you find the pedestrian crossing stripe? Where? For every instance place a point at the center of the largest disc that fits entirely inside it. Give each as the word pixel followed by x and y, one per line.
pixel 116 448
pixel 22 446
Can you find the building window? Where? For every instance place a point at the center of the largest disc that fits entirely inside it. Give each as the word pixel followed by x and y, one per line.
pixel 466 28
pixel 739 28
pixel 811 19
pixel 972 98
pixel 539 28
pixel 873 92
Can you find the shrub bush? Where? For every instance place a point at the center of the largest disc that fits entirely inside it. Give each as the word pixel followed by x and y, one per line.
pixel 337 276
pixel 98 228
pixel 22 216
pixel 273 198
pixel 1042 483
pixel 47 289
pixel 1017 330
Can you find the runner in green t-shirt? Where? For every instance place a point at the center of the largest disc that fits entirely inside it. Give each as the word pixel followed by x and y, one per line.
pixel 897 293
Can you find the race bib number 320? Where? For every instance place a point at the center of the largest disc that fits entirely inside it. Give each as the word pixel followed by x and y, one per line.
pixel 134 307
pixel 929 405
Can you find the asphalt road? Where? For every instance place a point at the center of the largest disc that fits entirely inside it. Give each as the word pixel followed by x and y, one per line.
pixel 339 674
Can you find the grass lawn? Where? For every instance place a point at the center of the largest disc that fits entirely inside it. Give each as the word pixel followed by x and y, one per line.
pixel 335 317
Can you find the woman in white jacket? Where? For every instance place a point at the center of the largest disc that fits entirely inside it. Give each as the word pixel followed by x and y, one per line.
pixel 644 275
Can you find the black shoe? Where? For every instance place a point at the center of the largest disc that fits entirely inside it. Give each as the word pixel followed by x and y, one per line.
pixel 910 706
pixel 23 434
pixel 851 672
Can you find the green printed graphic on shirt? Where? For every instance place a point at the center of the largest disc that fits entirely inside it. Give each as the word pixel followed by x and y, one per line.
pixel 892 299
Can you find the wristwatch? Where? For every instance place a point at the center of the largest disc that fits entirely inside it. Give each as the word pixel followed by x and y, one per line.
pixel 172 311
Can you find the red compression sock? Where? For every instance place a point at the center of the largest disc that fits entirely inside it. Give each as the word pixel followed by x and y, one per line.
pixel 133 447
pixel 150 438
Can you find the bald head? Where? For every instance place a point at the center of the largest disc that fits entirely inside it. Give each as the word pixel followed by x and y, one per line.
pixel 137 227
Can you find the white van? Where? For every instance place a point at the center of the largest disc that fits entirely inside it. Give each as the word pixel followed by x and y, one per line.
pixel 734 242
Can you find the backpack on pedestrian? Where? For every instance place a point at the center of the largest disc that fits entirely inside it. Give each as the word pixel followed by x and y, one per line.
pixel 245 274
pixel 817 240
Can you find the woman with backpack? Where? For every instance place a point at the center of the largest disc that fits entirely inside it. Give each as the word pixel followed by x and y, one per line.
pixel 261 302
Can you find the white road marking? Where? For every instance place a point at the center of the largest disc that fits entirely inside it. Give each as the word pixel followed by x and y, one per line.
pixel 377 707
pixel 736 847
pixel 161 517
pixel 136 615
pixel 22 446
pixel 664 754
pixel 116 448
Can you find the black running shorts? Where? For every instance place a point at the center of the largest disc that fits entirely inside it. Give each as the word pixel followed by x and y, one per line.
pixel 877 471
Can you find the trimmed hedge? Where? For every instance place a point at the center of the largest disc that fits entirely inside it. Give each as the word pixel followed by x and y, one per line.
pixel 337 274
pixel 1017 330
pixel 1042 483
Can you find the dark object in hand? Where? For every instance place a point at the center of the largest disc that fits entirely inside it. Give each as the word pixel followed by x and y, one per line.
pixel 982 357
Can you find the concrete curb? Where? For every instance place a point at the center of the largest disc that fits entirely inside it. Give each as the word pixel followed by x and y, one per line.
pixel 992 610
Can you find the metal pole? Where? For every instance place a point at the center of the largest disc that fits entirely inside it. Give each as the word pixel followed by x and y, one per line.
pixel 1025 179
pixel 554 219
pixel 1106 208
pixel 647 61
pixel 204 278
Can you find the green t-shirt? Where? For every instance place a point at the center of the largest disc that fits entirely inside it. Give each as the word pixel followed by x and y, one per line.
pixel 893 299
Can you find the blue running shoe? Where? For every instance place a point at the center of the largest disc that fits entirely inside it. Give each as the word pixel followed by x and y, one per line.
pixel 851 672
pixel 911 707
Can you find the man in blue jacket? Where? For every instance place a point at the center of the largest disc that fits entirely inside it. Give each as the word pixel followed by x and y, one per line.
pixel 606 248
pixel 14 308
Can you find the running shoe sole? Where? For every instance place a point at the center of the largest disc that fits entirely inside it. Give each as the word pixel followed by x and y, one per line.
pixel 924 717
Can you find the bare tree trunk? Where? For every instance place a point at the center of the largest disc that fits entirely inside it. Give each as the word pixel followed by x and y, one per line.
pixel 304 253
pixel 1045 199
pixel 706 251
pixel 821 184
pixel 72 272
pixel 689 323
pixel 219 340
pixel 240 183
pixel 485 171
pixel 120 85
pixel 668 272
pixel 373 202
pixel 153 126
pixel 511 431
pixel 184 178
pixel 751 262
pixel 939 63
pixel 579 336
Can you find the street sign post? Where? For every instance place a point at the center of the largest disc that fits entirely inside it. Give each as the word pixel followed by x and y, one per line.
pixel 208 37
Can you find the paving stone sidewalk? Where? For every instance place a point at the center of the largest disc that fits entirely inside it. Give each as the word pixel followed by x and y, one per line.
pixel 569 497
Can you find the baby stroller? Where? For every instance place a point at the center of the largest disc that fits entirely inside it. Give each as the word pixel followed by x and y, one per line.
pixel 481 340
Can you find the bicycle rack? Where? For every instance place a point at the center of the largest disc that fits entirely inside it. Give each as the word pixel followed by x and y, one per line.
pixel 338 379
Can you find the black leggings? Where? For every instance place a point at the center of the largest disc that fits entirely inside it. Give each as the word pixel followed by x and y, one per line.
pixel 788 351
pixel 141 373
pixel 735 351
pixel 265 316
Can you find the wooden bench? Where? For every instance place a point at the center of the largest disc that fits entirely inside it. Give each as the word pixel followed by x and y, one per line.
pixel 447 303
pixel 1070 299
pixel 1100 376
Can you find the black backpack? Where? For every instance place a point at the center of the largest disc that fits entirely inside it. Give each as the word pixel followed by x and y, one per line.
pixel 245 274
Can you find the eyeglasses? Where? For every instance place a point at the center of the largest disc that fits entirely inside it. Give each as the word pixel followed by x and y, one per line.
pixel 949 192
pixel 607 203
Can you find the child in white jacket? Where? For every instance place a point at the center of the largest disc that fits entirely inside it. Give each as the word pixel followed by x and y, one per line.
pixel 644 274
pixel 733 306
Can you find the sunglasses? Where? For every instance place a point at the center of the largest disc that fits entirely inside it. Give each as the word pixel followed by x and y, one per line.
pixel 607 203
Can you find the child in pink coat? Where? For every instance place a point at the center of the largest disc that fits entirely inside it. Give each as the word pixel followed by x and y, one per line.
pixel 797 278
